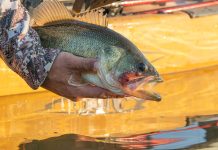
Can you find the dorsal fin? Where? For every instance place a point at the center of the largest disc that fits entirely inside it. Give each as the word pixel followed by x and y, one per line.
pixel 53 11
pixel 94 17
pixel 50 11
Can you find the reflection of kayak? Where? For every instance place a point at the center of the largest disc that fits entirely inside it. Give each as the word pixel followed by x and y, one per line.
pixel 193 136
pixel 187 94
pixel 176 43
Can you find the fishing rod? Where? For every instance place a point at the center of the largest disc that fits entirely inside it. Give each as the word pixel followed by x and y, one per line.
pixel 129 3
pixel 179 8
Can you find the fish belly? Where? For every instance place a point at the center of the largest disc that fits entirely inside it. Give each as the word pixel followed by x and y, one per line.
pixel 77 41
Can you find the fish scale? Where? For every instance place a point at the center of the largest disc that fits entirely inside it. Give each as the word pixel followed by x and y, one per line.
pixel 122 68
pixel 75 39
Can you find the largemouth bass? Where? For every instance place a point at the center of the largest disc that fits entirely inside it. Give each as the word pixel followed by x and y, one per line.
pixel 122 68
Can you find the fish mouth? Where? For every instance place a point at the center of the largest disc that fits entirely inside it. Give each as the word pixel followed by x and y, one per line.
pixel 142 87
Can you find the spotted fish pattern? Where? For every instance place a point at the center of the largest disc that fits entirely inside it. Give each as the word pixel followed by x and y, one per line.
pixel 20 45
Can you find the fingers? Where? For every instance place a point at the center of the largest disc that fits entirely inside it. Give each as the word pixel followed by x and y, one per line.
pixel 80 63
pixel 72 92
pixel 60 73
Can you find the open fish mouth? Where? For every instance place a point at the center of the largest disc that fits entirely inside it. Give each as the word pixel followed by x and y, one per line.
pixel 142 87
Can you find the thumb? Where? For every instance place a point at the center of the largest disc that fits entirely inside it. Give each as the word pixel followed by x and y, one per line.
pixel 81 64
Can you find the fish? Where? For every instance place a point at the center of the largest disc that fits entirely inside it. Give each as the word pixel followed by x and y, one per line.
pixel 122 67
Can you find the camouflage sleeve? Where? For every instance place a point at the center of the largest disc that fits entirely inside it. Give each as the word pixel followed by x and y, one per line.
pixel 20 46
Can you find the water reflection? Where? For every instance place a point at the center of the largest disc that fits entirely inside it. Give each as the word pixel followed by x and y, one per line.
pixel 69 142
pixel 44 120
pixel 94 106
pixel 198 130
pixel 167 124
pixel 194 134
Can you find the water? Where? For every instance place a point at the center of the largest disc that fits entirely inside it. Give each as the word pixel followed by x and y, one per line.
pixel 199 132
pixel 185 119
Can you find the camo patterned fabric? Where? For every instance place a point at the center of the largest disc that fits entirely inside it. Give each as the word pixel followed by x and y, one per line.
pixel 20 46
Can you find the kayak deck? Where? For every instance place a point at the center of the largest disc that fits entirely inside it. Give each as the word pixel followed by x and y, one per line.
pixel 172 42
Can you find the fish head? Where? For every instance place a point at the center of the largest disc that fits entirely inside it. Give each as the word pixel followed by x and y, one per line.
pixel 135 75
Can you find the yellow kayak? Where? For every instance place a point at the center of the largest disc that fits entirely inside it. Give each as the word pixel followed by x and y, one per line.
pixel 185 52
pixel 173 42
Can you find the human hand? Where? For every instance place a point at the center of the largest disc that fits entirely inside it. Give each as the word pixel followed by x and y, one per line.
pixel 63 67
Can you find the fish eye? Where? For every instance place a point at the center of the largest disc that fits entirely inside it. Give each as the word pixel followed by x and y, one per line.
pixel 142 67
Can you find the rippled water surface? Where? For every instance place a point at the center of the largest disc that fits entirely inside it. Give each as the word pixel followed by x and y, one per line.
pixel 185 118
